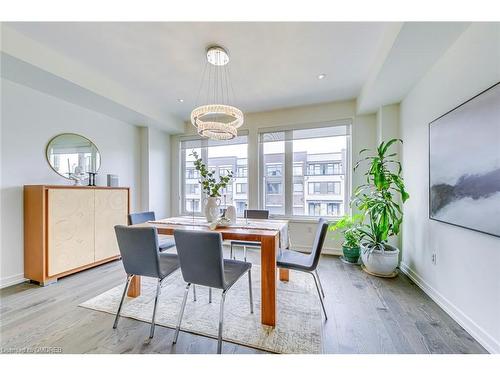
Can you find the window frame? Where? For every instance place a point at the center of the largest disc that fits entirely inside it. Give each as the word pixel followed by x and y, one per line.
pixel 204 156
pixel 289 166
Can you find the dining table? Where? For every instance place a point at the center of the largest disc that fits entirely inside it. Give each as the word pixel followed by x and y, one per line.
pixel 272 235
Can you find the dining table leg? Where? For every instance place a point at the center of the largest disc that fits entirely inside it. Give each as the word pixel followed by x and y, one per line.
pixel 134 289
pixel 284 274
pixel 269 247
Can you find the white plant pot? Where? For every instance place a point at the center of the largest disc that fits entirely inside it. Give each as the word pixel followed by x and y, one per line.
pixel 212 211
pixel 379 262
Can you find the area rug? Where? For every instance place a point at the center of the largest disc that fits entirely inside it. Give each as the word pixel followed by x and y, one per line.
pixel 299 319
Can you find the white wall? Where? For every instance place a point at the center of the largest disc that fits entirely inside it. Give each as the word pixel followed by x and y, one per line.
pixel 363 136
pixel 465 280
pixel 159 172
pixel 28 120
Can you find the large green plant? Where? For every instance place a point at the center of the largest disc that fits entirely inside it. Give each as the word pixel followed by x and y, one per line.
pixel 208 183
pixel 349 226
pixel 379 198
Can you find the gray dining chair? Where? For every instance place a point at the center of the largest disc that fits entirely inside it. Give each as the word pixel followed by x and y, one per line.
pixel 249 214
pixel 294 260
pixel 202 263
pixel 165 242
pixel 141 257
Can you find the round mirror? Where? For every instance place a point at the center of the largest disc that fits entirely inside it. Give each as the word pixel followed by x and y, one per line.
pixel 72 154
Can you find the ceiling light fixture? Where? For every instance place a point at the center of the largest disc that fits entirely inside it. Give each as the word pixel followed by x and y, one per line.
pixel 180 100
pixel 219 120
pixel 321 76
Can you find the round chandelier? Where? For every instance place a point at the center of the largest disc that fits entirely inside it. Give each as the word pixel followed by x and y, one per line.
pixel 218 121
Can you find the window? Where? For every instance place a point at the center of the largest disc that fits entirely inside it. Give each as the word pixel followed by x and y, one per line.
pixel 192 189
pixel 273 188
pixel 303 171
pixel 298 187
pixel 242 172
pixel 314 209
pixel 297 169
pixel 333 209
pixel 192 205
pixel 271 172
pixel 221 157
pixel 241 188
pixel 274 170
pixel 225 170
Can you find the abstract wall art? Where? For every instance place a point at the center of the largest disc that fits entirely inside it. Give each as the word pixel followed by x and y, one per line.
pixel 464 164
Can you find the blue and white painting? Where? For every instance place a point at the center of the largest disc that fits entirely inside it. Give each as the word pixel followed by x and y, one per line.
pixel 465 164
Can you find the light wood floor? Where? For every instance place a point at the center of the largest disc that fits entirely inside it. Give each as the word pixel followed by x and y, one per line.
pixel 366 315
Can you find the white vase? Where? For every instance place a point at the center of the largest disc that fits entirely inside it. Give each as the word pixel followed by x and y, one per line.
pixel 380 262
pixel 212 209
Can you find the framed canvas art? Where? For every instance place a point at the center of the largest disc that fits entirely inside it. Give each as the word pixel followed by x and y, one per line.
pixel 464 164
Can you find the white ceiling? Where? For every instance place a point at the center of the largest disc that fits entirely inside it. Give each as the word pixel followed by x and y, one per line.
pixel 162 62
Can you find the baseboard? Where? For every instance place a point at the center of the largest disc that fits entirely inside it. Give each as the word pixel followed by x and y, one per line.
pixel 325 250
pixel 485 339
pixel 12 280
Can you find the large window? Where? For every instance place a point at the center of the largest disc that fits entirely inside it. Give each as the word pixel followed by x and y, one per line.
pixel 221 157
pixel 303 171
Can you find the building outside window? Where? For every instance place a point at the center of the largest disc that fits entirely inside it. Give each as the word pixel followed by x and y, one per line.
pixel 221 157
pixel 319 152
pixel 274 170
pixel 241 188
pixel 273 188
pixel 242 172
pixel 192 189
pixel 298 169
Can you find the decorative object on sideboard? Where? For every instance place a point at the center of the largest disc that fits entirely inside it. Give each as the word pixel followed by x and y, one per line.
pixel 91 178
pixel 464 164
pixel 78 176
pixel 113 180
pixel 72 156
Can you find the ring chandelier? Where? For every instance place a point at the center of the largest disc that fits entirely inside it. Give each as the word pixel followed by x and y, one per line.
pixel 217 121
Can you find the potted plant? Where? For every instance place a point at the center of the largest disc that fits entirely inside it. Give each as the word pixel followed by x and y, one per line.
pixel 210 187
pixel 349 226
pixel 380 200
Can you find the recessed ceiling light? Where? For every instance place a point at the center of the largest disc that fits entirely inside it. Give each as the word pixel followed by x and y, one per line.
pixel 321 76
pixel 180 100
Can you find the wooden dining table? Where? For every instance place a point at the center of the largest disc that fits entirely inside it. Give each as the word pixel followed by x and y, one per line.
pixel 270 242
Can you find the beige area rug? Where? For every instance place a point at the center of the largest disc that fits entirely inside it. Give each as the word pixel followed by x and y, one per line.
pixel 299 319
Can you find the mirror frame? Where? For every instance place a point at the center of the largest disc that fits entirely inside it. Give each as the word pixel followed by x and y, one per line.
pixel 58 135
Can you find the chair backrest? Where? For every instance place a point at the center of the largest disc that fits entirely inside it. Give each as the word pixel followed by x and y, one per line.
pixel 319 240
pixel 200 257
pixel 139 250
pixel 140 217
pixel 256 214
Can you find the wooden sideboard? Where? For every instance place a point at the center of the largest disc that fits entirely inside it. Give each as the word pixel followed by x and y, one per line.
pixel 70 228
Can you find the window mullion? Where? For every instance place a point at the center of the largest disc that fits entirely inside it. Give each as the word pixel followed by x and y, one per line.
pixel 288 180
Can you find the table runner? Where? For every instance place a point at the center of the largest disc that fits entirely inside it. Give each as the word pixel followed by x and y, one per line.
pixel 257 224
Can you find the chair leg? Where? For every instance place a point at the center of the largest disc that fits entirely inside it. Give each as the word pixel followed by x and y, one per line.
pixel 250 290
pixel 194 292
pixel 221 321
pixel 209 295
pixel 152 331
pixel 319 281
pixel 245 253
pixel 181 313
pixel 115 324
pixel 319 295
pixel 231 251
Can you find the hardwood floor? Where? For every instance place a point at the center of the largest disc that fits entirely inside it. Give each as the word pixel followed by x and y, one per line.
pixel 366 315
